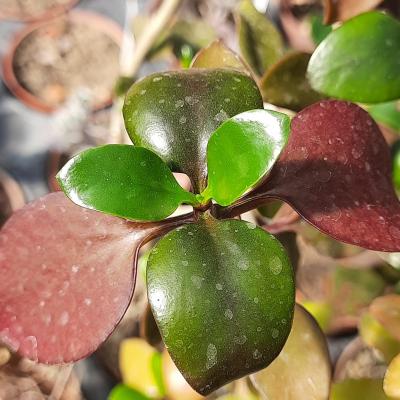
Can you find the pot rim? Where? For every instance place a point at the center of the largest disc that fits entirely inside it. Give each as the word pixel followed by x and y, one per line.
pixel 97 21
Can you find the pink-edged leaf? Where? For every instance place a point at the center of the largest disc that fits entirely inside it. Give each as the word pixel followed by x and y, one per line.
pixel 336 172
pixel 67 277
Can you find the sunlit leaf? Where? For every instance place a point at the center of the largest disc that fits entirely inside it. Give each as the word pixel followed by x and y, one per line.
pixel 386 310
pixel 336 172
pixel 222 294
pixel 359 61
pixel 241 151
pixel 391 383
pixel 67 278
pixel 125 181
pixel 218 55
pixel 376 335
pixel 136 359
pixel 175 113
pixel 295 370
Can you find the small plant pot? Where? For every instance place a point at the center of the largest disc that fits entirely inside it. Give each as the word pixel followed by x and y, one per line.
pixel 11 196
pixel 34 10
pixel 49 61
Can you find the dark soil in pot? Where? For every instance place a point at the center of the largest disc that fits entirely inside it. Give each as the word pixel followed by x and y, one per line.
pixel 58 58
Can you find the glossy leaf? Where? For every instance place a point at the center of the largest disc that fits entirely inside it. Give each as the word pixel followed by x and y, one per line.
pixel 391 383
pixel 242 150
pixel 126 181
pixel 335 171
pixel 365 389
pixel 341 10
pixel 122 392
pixel 285 84
pixel 67 276
pixel 359 61
pixel 218 55
pixel 175 113
pixel 386 310
pixel 136 358
pixel 260 42
pixel 387 114
pixel 222 294
pixel 295 370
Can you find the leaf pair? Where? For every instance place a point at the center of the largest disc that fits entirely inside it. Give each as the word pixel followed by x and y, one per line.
pixel 135 183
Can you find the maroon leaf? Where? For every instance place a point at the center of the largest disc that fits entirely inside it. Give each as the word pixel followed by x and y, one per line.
pixel 67 276
pixel 335 172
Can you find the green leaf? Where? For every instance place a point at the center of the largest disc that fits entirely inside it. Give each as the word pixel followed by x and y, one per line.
pixel 222 293
pixel 359 61
pixel 122 392
pixel 242 150
pixel 260 42
pixel 387 114
pixel 126 181
pixel 174 114
pixel 396 165
pixel 286 85
pixel 319 31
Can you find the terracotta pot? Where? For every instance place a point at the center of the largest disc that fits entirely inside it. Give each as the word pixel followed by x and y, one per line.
pixel 48 13
pixel 102 24
pixel 11 196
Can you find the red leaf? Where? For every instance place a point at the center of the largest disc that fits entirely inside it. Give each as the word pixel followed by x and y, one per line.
pixel 336 172
pixel 67 276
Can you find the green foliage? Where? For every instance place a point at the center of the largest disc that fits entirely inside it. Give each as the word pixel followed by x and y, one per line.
pixel 222 293
pixel 387 114
pixel 396 165
pixel 359 61
pixel 319 31
pixel 122 392
pixel 241 151
pixel 174 114
pixel 126 181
